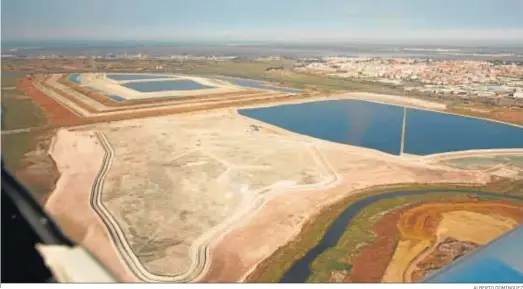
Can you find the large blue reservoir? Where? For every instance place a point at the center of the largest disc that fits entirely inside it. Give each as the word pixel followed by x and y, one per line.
pixel 379 126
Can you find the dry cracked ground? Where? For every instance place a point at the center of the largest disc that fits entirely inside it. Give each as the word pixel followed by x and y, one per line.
pixel 168 187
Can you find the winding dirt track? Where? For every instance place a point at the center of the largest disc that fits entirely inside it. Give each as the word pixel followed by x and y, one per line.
pixel 117 234
pixel 200 249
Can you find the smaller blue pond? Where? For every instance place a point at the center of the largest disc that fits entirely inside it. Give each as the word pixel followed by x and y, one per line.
pixel 152 86
pixel 117 98
pixel 123 77
pixel 74 78
pixel 429 132
pixel 111 96
pixel 259 85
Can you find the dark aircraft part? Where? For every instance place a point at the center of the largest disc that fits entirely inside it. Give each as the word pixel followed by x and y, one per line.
pixel 24 224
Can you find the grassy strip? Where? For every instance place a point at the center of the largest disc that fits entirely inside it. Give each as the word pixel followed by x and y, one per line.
pixel 258 71
pixel 273 268
pixel 18 110
pixel 16 147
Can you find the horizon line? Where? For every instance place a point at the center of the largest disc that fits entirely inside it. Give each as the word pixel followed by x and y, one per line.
pixel 8 42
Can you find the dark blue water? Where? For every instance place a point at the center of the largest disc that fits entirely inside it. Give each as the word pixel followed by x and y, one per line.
pixel 357 123
pixel 431 132
pixel 117 98
pixel 122 77
pixel 74 78
pixel 259 85
pixel 300 271
pixel 378 126
pixel 151 86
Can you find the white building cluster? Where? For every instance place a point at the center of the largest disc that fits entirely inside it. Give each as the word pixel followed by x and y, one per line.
pixel 463 77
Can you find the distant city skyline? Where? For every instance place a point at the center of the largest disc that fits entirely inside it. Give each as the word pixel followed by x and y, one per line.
pixel 269 20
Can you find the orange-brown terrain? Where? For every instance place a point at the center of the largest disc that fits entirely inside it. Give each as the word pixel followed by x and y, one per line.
pixel 94 107
pixel 417 239
pixel 370 265
pixel 59 116
pixel 506 114
pixel 55 113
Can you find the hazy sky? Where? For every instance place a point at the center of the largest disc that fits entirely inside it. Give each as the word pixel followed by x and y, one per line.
pixel 233 20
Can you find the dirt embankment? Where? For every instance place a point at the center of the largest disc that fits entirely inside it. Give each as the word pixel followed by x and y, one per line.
pixel 55 113
pixel 117 106
pixel 506 114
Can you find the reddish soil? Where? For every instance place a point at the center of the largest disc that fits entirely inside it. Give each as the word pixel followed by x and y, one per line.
pixel 370 265
pixel 59 116
pixel 175 110
pixel 168 111
pixel 71 98
pixel 420 225
pixel 56 114
pixel 512 115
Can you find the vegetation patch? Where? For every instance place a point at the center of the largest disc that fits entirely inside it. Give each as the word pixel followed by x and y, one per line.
pixel 19 111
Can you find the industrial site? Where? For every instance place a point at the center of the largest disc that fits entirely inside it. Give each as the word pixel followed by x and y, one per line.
pixel 171 142
pixel 173 178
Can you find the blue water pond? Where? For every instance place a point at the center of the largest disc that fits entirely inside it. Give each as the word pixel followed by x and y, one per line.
pixel 137 76
pixel 151 86
pixel 379 126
